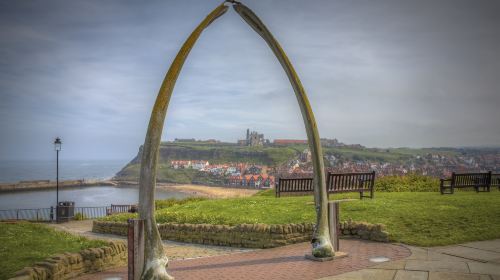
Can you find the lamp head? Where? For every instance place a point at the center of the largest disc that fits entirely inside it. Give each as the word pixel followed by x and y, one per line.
pixel 57 144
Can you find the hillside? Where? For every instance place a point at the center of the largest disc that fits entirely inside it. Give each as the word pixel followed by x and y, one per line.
pixel 218 153
pixel 437 162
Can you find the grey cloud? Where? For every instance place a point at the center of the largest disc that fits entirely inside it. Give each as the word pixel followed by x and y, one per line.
pixel 384 73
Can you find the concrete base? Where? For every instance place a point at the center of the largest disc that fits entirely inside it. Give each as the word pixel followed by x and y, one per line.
pixel 338 255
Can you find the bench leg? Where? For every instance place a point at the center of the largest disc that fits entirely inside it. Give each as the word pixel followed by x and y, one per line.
pixel 443 190
pixel 360 195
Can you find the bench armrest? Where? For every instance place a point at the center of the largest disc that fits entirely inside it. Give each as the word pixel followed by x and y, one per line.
pixel 444 181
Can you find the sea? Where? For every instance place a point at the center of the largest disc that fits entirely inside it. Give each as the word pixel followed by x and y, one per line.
pixel 14 171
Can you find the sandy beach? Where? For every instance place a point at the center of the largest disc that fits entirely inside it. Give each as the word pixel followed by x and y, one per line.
pixel 208 191
pixel 196 190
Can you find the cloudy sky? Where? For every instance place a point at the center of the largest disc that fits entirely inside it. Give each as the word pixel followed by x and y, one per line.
pixel 379 73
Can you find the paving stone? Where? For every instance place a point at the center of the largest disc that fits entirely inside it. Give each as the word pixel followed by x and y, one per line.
pixel 453 276
pixel 489 245
pixel 437 256
pixel 399 264
pixel 485 277
pixel 495 277
pixel 411 275
pixel 364 274
pixel 484 268
pixel 470 253
pixel 437 266
pixel 417 253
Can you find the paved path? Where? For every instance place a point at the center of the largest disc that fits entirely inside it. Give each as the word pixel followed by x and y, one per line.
pixel 474 261
pixel 286 263
pixel 469 261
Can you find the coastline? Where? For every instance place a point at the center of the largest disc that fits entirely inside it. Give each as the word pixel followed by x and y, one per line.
pixel 190 189
pixel 199 190
pixel 47 184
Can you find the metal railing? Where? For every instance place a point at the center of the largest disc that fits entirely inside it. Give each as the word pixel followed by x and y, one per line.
pixel 40 214
pixel 91 212
pixel 49 214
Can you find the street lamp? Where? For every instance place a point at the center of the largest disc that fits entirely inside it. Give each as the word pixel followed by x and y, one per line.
pixel 57 147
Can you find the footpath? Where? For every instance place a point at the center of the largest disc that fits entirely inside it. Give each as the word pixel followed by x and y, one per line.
pixel 474 261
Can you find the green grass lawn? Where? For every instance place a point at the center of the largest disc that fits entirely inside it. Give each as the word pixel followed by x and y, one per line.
pixel 23 244
pixel 416 218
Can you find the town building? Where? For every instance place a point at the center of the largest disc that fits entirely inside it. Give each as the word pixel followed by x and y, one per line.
pixel 252 181
pixel 306 155
pixel 194 164
pixel 253 139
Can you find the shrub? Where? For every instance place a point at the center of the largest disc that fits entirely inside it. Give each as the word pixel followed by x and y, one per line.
pixel 80 217
pixel 407 183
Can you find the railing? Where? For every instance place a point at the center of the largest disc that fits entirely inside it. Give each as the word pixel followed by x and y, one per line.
pixel 40 214
pixel 49 214
pixel 91 212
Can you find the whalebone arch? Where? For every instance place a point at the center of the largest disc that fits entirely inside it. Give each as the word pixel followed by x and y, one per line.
pixel 155 261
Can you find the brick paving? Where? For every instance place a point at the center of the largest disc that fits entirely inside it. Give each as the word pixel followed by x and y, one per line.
pixel 286 262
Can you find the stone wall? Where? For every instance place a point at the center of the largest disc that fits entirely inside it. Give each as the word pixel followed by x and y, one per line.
pixel 70 265
pixel 248 235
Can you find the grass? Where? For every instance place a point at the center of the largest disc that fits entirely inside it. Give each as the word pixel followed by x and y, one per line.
pixel 416 218
pixel 367 154
pixel 23 244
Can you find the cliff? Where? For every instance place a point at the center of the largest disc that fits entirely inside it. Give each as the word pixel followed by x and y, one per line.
pixel 213 152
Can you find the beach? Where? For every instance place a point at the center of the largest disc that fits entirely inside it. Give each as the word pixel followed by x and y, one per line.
pixel 208 191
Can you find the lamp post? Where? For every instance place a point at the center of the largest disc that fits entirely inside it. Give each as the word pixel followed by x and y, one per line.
pixel 57 147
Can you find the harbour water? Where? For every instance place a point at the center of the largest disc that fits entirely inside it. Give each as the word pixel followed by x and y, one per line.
pixel 82 196
pixel 12 171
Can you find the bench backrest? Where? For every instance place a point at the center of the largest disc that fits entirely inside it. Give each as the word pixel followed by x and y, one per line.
pixel 294 185
pixel 465 180
pixel 350 182
pixel 495 180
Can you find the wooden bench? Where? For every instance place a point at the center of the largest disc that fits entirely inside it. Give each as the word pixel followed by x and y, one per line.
pixel 351 182
pixel 121 208
pixel 481 182
pixel 335 183
pixel 294 185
